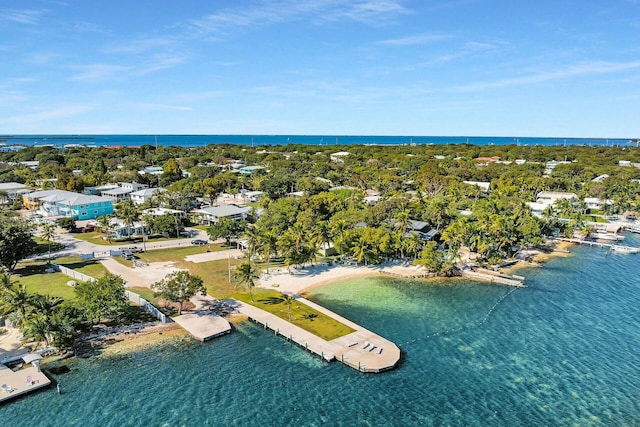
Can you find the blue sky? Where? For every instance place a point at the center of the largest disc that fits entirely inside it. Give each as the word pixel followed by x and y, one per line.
pixel 359 67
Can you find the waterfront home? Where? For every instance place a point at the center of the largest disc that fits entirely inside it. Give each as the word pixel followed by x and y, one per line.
pixel 60 203
pixel 123 191
pixel 213 214
pixel 596 203
pixel 151 170
pixel 550 197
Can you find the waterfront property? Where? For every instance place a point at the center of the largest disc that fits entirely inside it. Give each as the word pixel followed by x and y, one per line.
pixel 362 350
pixel 21 379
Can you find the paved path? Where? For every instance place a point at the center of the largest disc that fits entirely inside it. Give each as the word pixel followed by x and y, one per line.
pixel 203 322
pixel 139 276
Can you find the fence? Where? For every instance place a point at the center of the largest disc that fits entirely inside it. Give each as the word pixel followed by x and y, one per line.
pixel 73 274
pixel 133 297
pixel 137 299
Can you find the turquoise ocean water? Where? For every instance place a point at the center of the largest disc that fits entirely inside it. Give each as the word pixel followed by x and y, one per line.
pixel 562 352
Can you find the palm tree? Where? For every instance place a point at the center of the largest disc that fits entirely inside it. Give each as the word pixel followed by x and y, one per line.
pixel 48 233
pixel 128 213
pixel 252 234
pixel 16 300
pixel 268 244
pixel 288 299
pixel 246 274
pixel 361 250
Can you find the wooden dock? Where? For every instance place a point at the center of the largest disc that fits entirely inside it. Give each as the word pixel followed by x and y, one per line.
pixel 21 382
pixel 361 350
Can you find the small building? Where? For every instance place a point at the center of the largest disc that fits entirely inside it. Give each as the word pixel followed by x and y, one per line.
pixel 97 190
pixel 118 194
pixel 14 189
pixel 213 214
pixel 484 186
pixel 624 163
pixel 120 230
pixel 596 203
pixel 487 160
pixel 248 170
pixel 151 170
pixel 422 229
pixel 141 196
pixel 339 156
pixel 550 197
pixel 600 178
pixel 165 211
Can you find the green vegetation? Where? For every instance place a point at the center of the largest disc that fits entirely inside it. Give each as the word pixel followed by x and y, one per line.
pixel 179 287
pixel 302 315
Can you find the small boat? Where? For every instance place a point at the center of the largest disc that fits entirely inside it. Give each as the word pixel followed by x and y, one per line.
pixel 632 228
pixel 624 249
pixel 608 236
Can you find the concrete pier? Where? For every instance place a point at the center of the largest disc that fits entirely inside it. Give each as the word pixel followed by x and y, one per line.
pixel 21 382
pixel 362 350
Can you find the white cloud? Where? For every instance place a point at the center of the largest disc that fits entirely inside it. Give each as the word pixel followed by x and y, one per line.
pixel 151 106
pixel 24 16
pixel 99 72
pixel 60 112
pixel 415 40
pixel 581 69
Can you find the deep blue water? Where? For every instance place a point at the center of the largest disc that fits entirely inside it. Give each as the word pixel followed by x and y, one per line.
pixel 562 352
pixel 258 140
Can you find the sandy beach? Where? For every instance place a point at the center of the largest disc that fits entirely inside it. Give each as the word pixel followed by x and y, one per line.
pixel 302 280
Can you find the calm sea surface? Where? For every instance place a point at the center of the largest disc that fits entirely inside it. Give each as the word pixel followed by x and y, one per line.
pixel 258 140
pixel 562 352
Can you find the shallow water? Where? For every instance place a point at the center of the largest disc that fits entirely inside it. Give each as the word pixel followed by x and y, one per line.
pixel 564 351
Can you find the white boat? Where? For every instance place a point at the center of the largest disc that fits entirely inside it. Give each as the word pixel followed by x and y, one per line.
pixel 632 228
pixel 625 249
pixel 607 236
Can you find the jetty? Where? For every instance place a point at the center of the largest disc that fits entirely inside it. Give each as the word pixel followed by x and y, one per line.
pixel 611 246
pixel 493 277
pixel 361 350
pixel 21 379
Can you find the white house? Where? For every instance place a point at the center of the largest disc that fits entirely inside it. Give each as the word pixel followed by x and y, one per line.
pixel 339 156
pixel 14 189
pixel 213 214
pixel 141 196
pixel 484 186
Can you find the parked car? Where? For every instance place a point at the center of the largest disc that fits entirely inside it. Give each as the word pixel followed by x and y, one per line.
pixel 198 242
pixel 88 228
pixel 134 249
pixel 127 255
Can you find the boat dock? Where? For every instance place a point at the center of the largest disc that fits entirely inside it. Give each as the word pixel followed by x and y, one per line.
pixel 362 349
pixel 24 380
pixel 204 323
pixel 610 246
pixel 494 277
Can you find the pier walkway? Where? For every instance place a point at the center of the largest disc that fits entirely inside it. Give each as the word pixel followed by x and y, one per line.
pixel 493 277
pixel 362 350
pixel 22 381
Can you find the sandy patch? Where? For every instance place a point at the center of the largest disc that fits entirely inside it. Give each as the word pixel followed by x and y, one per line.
pixel 213 256
pixel 140 276
pixel 304 279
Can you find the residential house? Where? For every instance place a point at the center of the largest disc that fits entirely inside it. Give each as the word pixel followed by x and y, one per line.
pixel 60 203
pixel 213 214
pixel 14 189
pixel 248 170
pixel 484 186
pixel 141 196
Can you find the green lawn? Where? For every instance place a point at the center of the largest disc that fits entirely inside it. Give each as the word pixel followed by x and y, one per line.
pixel 301 314
pixel 33 276
pixel 96 238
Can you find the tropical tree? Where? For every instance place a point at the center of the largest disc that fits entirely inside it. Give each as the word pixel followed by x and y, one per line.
pixel 288 300
pixel 102 298
pixel 16 300
pixel 16 241
pixel 128 212
pixel 245 273
pixel 268 245
pixel 179 287
pixel 48 232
